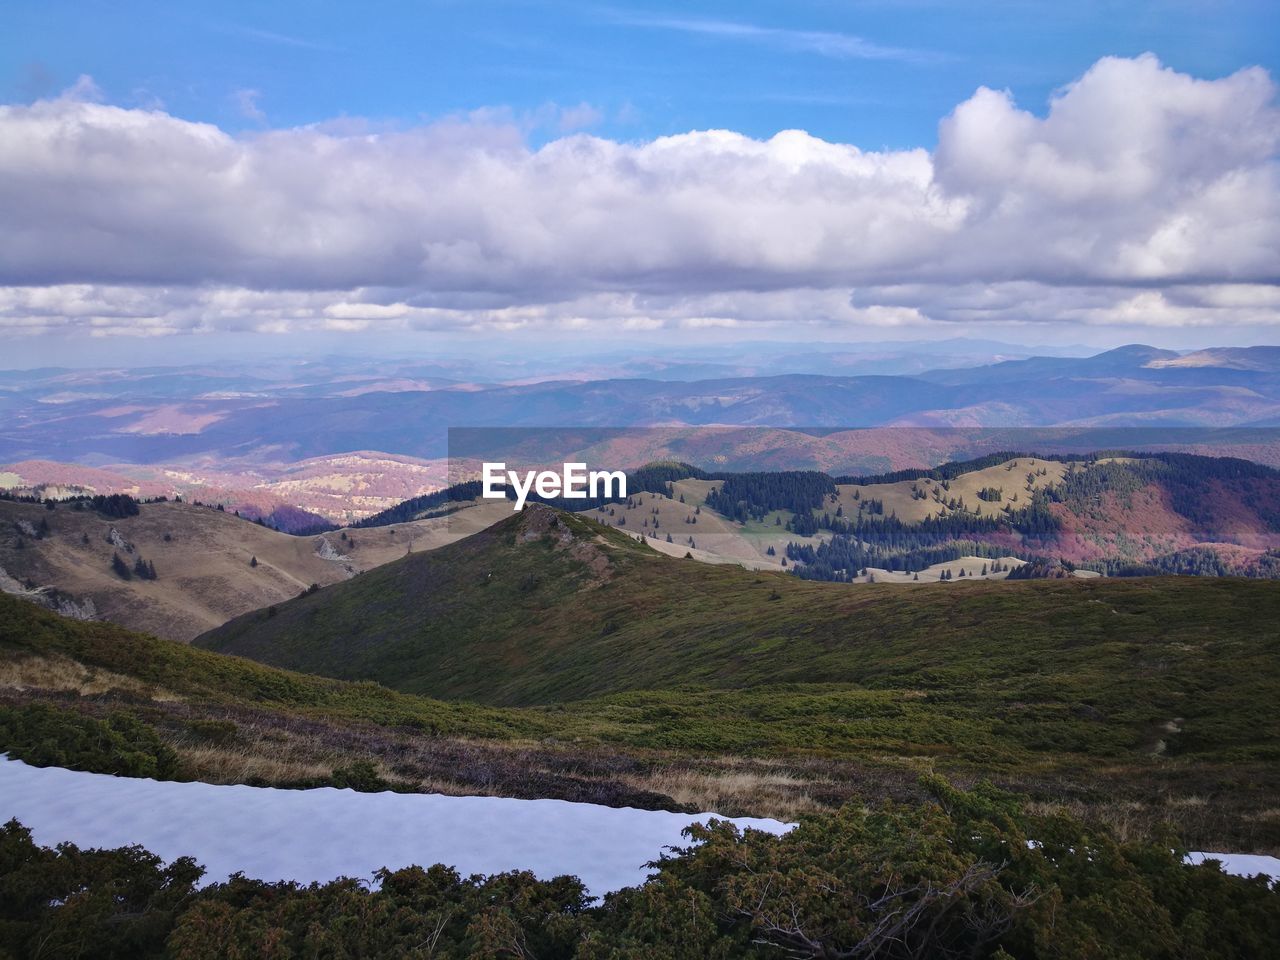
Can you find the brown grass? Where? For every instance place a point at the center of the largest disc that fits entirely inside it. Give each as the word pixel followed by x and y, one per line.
pixel 785 796
pixel 64 675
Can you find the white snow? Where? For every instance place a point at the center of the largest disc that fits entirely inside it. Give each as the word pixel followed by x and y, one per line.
pixel 321 834
pixel 1242 864
pixel 318 835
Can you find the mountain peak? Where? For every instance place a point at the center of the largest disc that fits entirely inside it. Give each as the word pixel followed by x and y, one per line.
pixel 579 537
pixel 538 520
pixel 1137 352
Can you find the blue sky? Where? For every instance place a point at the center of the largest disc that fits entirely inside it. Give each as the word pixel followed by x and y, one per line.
pixel 510 173
pixel 877 74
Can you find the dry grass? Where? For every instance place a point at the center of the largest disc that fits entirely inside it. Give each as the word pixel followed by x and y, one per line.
pixel 784 796
pixel 282 760
pixel 64 675
pixel 1128 820
pixel 241 764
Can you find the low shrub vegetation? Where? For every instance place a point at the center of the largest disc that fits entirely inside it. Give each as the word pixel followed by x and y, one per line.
pixel 45 736
pixel 965 874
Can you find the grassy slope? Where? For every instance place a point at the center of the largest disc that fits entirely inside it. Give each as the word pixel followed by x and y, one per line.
pixel 469 622
pixel 163 669
pixel 1076 725
pixel 204 573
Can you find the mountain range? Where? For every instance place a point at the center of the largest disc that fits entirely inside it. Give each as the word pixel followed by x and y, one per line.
pixel 342 439
pixel 179 569
pixel 151 419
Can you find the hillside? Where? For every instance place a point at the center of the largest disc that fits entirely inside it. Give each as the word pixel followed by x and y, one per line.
pixel 1145 701
pixel 546 607
pixel 1116 514
pixel 1109 513
pixel 203 560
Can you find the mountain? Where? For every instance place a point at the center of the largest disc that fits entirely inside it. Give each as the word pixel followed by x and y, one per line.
pixel 1264 359
pixel 186 569
pixel 111 419
pixel 1121 513
pixel 1139 700
pixel 203 565
pixel 1126 512
pixel 547 606
pixel 1122 361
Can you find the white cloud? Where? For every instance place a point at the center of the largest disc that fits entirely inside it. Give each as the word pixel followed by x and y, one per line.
pixel 247 103
pixel 1142 197
pixel 841 46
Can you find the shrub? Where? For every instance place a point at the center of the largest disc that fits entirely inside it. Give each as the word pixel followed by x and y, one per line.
pixel 967 874
pixel 360 776
pixel 72 903
pixel 217 732
pixel 44 736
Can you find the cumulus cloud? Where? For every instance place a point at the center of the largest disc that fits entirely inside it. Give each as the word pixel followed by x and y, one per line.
pixel 1142 196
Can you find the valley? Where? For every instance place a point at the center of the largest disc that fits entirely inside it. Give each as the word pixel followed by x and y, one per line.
pixel 639 481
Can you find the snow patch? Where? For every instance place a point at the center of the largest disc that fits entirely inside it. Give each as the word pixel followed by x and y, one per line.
pixel 1242 864
pixel 317 835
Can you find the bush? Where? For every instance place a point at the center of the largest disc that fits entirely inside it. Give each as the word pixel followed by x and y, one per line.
pixel 44 736
pixel 361 776
pixel 967 874
pixel 71 903
pixel 217 732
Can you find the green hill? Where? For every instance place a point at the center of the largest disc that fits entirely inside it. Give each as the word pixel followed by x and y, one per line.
pixel 548 607
pixel 1131 702
pixel 42 651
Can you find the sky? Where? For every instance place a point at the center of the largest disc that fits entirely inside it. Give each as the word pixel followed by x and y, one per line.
pixel 529 174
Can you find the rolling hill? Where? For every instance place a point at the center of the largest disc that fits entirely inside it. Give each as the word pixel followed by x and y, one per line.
pixel 187 569
pixel 1130 701
pixel 208 565
pixel 1120 513
pixel 547 607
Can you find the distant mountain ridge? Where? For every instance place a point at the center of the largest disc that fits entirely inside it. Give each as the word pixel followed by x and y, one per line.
pixel 1133 385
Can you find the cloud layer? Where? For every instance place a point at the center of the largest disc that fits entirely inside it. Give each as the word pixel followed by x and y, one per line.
pixel 1143 196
